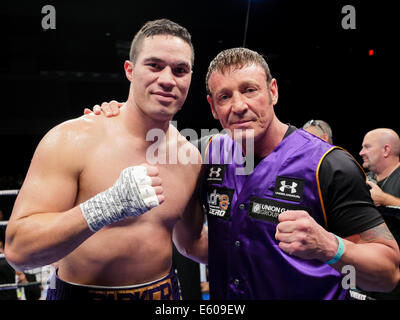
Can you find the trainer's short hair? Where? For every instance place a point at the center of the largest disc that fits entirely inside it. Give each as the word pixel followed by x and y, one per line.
pixel 236 58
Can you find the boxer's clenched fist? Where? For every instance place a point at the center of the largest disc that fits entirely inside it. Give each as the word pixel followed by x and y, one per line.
pixel 300 235
pixel 137 190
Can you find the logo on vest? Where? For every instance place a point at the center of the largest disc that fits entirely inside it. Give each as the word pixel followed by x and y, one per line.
pixel 219 202
pixel 285 186
pixel 269 209
pixel 215 173
pixel 289 188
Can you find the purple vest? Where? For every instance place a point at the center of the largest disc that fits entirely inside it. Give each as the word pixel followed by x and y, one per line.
pixel 245 261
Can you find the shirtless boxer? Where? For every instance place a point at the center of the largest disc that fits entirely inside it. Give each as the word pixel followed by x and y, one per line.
pixel 84 196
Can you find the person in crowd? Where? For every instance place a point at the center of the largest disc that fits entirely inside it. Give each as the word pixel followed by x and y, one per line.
pixel 380 154
pixel 320 129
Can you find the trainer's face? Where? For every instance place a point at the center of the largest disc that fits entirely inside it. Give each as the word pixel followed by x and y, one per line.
pixel 161 76
pixel 371 152
pixel 241 99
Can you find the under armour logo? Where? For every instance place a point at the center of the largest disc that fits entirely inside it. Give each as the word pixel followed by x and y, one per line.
pixel 216 172
pixel 286 186
pixel 289 188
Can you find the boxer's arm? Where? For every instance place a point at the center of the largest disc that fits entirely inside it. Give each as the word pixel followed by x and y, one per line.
pixel 190 233
pixel 45 225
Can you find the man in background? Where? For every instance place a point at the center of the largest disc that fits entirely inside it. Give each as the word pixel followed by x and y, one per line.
pixel 320 129
pixel 380 154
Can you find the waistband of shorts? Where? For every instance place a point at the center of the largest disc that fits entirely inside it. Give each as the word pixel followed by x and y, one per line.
pixel 166 288
pixel 113 288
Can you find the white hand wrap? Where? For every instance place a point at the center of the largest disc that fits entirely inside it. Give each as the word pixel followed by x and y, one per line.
pixel 130 196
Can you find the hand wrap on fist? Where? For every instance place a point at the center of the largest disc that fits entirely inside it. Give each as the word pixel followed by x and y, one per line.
pixel 130 196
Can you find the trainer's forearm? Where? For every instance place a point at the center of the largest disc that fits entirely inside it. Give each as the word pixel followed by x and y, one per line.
pixel 376 265
pixel 43 238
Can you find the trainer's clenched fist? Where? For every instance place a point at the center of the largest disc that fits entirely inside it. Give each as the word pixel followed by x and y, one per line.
pixel 300 235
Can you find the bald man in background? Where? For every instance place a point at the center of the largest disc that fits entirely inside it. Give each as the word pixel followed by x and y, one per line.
pixel 380 154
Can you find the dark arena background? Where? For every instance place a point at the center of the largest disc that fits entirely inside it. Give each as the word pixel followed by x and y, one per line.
pixel 324 69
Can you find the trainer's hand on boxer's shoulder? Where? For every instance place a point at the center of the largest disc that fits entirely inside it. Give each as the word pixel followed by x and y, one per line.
pixel 109 109
pixel 300 235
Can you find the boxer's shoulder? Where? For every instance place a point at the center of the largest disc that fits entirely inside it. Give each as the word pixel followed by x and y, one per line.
pixel 188 152
pixel 71 137
pixel 189 158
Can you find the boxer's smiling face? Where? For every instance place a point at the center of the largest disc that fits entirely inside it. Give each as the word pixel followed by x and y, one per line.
pixel 161 75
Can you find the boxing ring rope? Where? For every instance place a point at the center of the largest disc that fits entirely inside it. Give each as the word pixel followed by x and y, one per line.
pixel 4 223
pixel 12 192
pixel 12 286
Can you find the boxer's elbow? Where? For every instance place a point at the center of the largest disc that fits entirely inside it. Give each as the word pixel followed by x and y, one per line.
pixel 14 258
pixel 198 249
pixel 195 248
pixel 16 250
pixel 193 253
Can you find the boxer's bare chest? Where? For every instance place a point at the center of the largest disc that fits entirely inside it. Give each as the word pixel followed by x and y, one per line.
pixel 109 158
